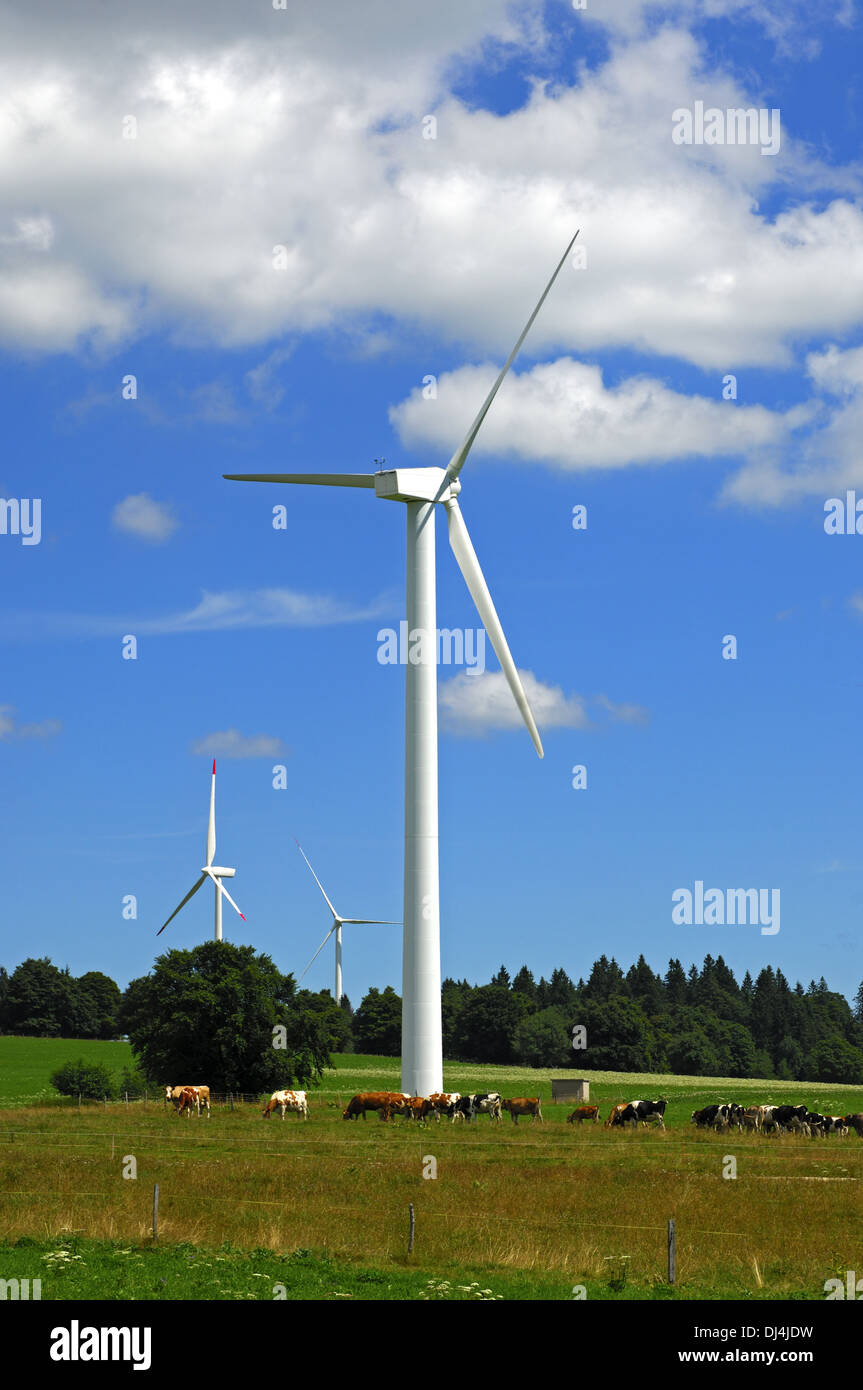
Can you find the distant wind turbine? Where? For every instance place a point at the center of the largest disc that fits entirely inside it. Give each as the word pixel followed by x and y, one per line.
pixel 338 923
pixel 422 490
pixel 210 870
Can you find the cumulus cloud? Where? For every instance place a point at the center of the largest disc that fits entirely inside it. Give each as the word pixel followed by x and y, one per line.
pixel 480 704
pixel 230 743
pixel 827 459
pixel 303 129
pixel 11 730
pixel 139 515
pixel 561 413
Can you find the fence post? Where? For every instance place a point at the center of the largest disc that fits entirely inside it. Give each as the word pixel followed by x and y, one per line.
pixel 231 1099
pixel 79 1102
pixel 126 1094
pixel 411 1231
pixel 155 1213
pixel 672 1252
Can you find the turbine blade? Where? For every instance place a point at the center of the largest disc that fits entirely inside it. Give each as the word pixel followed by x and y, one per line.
pixel 320 479
pixel 454 466
pixel 190 894
pixel 371 922
pixel 223 890
pixel 318 952
pixel 317 880
pixel 211 828
pixel 465 555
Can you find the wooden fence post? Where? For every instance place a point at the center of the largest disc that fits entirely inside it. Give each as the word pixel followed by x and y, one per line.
pixel 155 1213
pixel 411 1231
pixel 672 1252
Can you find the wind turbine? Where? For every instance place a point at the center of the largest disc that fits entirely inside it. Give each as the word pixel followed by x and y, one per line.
pixel 210 870
pixel 338 922
pixel 422 490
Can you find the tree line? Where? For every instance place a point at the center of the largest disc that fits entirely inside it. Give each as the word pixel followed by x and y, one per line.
pixel 213 1010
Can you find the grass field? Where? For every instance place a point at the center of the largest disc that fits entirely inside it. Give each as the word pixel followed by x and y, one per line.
pixel 321 1207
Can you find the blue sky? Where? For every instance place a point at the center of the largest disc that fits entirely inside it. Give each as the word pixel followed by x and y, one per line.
pixel 409 257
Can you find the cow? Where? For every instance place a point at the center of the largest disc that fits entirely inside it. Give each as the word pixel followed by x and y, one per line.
pixel 439 1103
pixel 188 1101
pixel 784 1114
pixel 641 1112
pixel 383 1101
pixel 751 1118
pixel 768 1118
pixel 410 1106
pixel 616 1110
pixel 582 1113
pixel 854 1122
pixel 202 1096
pixel 835 1124
pixel 523 1106
pixel 817 1124
pixel 295 1101
pixel 718 1116
pixel 486 1103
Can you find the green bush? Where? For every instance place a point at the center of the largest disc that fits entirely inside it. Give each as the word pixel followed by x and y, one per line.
pixel 88 1079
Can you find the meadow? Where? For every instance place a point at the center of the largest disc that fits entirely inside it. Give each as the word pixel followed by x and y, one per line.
pixel 320 1208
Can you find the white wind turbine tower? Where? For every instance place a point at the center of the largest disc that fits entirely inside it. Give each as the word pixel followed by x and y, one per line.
pixel 210 870
pixel 422 490
pixel 338 922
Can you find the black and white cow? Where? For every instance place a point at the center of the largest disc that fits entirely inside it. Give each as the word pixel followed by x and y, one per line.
pixel 783 1115
pixel 468 1107
pixel 718 1116
pixel 817 1123
pixel 642 1112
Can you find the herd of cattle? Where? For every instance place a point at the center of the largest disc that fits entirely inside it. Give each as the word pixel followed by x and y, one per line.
pixel 776 1119
pixel 766 1119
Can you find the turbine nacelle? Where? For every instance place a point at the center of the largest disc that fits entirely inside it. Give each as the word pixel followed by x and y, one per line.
pixel 416 485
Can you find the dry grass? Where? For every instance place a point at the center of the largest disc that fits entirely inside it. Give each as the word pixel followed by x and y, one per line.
pixel 584 1202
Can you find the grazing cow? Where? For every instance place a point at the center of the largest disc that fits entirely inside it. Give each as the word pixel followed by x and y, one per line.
pixel 718 1116
pixel 642 1112
pixel 295 1101
pixel 616 1109
pixel 751 1118
pixel 523 1106
pixel 440 1103
pixel 817 1123
pixel 835 1124
pixel 784 1114
pixel 582 1113
pixel 383 1101
pixel 487 1103
pixel 854 1122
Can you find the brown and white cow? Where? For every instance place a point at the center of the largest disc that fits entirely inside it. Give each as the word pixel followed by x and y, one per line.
pixel 524 1105
pixel 617 1109
pixel 202 1096
pixel 440 1103
pixel 582 1113
pixel 188 1101
pixel 295 1101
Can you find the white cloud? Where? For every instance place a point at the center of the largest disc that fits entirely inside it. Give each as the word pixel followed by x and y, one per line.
pixel 214 612
pixel 10 728
pixel 140 516
pixel 479 704
pixel 304 128
pixel 562 414
pixel 230 743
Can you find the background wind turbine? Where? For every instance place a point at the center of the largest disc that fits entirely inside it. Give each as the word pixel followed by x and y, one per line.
pixel 337 928
pixel 216 872
pixel 422 489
